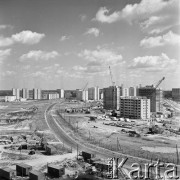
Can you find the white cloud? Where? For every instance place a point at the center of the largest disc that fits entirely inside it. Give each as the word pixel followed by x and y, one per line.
pixel 93 31
pixel 28 37
pixel 5 26
pixel 24 37
pixel 4 54
pixel 38 74
pixel 153 16
pixel 98 60
pixel 5 41
pixel 101 57
pixel 169 38
pixel 64 38
pixel 103 16
pixel 8 73
pixel 83 17
pixel 39 55
pixel 153 63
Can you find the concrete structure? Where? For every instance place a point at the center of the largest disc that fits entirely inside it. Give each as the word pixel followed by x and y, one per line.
pixel 176 94
pixel 101 94
pixel 125 92
pixel 10 98
pixel 111 97
pixel 93 93
pixel 25 93
pixel 135 107
pixel 132 91
pixel 53 96
pixel 82 95
pixel 36 93
pixel 61 93
pixel 50 150
pixel 23 169
pixel 16 92
pixel 36 175
pixel 70 94
pixel 55 171
pixel 155 96
pixel 7 173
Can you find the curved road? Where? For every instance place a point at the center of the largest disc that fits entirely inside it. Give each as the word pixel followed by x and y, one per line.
pixel 55 126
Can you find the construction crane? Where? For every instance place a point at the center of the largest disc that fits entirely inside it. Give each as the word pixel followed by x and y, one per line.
pixel 160 81
pixel 113 84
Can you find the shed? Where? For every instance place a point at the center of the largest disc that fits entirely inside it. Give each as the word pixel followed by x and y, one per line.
pixel 23 169
pixel 50 150
pixel 7 173
pixel 56 171
pixel 36 175
pixel 87 155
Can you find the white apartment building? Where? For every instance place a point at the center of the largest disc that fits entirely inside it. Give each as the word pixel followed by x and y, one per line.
pixel 135 107
pixel 93 93
pixel 82 95
pixel 125 92
pixel 61 93
pixel 36 93
pixel 53 96
pixel 16 92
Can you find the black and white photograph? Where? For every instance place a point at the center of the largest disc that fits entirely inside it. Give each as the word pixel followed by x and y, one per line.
pixel 89 89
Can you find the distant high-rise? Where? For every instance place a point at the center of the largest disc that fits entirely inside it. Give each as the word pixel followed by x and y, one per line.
pixel 125 92
pixel 155 96
pixel 93 93
pixel 25 93
pixel 16 92
pixel 36 93
pixel 82 95
pixel 111 97
pixel 132 91
pixel 176 94
pixel 61 93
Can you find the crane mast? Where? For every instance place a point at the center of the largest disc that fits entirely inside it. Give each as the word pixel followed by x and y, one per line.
pixel 113 85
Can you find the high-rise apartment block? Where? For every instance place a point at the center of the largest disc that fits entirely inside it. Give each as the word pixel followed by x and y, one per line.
pixel 36 93
pixel 176 94
pixel 135 107
pixel 16 92
pixel 61 93
pixel 25 93
pixel 82 95
pixel 93 93
pixel 155 96
pixel 111 97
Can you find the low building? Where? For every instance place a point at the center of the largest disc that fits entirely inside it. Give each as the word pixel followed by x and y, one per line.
pixel 7 173
pixel 176 94
pixel 50 150
pixel 135 107
pixel 23 169
pixel 53 96
pixel 56 171
pixel 36 175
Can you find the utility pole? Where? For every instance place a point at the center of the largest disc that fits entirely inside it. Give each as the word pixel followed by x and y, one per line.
pixel 77 151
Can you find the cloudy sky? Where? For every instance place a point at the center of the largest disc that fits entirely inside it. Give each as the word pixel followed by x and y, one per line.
pixel 53 44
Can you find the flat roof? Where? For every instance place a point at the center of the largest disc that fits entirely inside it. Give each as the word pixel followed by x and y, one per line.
pixel 23 165
pixel 7 169
pixel 56 166
pixel 36 172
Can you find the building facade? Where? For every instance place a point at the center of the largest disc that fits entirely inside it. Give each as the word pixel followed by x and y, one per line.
pixel 135 107
pixel 36 93
pixel 53 96
pixel 25 93
pixel 93 93
pixel 155 96
pixel 16 92
pixel 82 95
pixel 111 97
pixel 132 91
pixel 176 94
